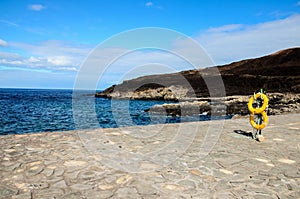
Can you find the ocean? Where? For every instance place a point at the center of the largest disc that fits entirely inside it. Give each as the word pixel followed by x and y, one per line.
pixel 48 110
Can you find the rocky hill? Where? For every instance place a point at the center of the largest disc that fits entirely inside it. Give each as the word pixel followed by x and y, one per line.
pixel 275 73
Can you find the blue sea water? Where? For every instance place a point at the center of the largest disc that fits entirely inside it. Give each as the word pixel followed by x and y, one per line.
pixel 45 110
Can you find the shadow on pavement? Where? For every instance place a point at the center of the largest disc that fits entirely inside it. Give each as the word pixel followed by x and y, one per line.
pixel 245 133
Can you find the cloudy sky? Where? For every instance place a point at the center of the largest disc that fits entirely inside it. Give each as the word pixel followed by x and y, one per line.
pixel 43 44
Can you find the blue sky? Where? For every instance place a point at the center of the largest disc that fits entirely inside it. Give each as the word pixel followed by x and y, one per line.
pixel 44 43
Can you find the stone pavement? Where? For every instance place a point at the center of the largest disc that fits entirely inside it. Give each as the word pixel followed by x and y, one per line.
pixel 159 161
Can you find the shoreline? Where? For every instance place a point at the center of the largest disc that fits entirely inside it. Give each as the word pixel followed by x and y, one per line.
pixel 234 117
pixel 235 106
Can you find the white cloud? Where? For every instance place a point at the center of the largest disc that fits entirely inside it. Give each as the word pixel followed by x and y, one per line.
pixel 53 48
pixel 226 28
pixel 149 4
pixel 33 59
pixel 235 42
pixel 10 60
pixel 9 23
pixel 36 7
pixel 49 55
pixel 60 60
pixel 152 5
pixel 3 43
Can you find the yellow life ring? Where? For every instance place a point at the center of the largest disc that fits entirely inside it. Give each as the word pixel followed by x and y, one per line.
pixel 263 124
pixel 259 109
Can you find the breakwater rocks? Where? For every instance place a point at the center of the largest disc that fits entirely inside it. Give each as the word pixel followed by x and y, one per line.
pixel 233 105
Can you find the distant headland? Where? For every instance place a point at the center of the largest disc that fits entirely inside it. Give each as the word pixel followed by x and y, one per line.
pixel 278 74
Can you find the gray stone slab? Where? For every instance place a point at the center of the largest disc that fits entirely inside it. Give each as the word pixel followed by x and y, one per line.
pixel 62 165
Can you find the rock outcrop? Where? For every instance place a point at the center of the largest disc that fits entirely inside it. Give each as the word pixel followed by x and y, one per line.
pixel 170 93
pixel 233 105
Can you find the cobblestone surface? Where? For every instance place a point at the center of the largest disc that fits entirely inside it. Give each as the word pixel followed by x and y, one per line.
pixel 82 164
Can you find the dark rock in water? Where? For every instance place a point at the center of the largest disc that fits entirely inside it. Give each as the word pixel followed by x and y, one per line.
pixel 278 72
pixel 182 109
pixel 233 105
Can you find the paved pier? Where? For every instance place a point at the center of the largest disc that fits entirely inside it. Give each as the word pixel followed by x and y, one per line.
pixel 212 159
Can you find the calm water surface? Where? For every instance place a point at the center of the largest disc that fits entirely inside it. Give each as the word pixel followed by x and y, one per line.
pixel 38 110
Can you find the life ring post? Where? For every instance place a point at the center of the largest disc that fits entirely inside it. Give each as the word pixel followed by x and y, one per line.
pixel 258 115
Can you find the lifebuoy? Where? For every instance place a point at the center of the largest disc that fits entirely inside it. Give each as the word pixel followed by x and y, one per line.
pixel 259 109
pixel 264 122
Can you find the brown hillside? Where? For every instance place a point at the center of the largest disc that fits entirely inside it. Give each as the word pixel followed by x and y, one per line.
pixel 278 72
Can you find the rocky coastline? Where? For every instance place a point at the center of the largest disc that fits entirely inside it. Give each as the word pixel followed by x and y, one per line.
pixel 279 103
pixel 278 74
